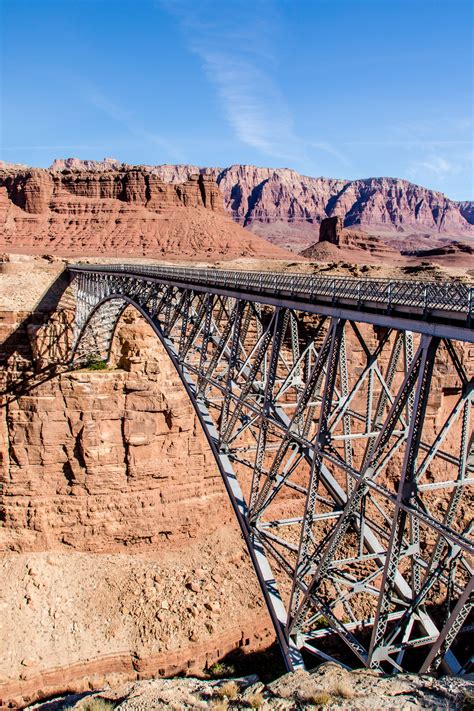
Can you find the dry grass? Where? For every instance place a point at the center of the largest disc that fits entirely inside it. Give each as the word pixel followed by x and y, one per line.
pixel 256 700
pixel 228 690
pixel 220 705
pixel 321 699
pixel 345 691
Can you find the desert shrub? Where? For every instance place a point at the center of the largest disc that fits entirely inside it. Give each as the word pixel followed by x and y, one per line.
pixel 219 670
pixel 321 622
pixel 228 690
pixel 95 362
pixel 255 700
pixel 321 699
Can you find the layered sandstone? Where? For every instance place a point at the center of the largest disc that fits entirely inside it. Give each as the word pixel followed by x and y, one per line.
pixel 286 208
pixel 119 212
pixel 358 246
pixel 120 553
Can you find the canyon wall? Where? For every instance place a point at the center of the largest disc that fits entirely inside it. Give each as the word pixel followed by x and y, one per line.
pixel 286 208
pixel 121 556
pixel 95 460
pixel 118 213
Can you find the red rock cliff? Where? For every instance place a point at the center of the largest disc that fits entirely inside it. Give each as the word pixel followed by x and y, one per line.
pixel 119 212
pixel 286 208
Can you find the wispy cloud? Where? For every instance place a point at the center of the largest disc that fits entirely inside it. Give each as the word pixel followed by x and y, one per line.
pixel 127 119
pixel 238 59
pixel 440 167
pixel 251 101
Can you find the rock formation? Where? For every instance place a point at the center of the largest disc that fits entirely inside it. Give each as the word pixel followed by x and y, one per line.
pixel 119 212
pixel 121 556
pixel 338 243
pixel 286 208
pixel 290 207
pixel 328 686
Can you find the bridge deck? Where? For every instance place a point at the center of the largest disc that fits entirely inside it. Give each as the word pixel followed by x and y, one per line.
pixel 444 309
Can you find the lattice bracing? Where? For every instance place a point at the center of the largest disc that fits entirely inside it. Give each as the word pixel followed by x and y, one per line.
pixel 347 451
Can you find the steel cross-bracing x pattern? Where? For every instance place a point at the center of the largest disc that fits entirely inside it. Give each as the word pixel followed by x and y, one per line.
pixel 339 412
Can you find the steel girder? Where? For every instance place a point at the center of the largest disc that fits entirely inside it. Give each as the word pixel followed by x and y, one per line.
pixel 347 452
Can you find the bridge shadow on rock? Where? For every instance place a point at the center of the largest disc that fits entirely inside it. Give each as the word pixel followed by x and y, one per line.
pixel 266 663
pixel 37 349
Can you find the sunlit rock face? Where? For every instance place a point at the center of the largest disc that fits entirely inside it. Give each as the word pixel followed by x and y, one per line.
pixel 121 555
pixel 108 205
pixel 129 211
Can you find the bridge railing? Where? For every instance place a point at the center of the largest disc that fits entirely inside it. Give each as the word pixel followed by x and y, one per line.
pixel 449 296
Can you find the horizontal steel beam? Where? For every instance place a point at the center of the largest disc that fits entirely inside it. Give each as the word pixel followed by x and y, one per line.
pixel 375 308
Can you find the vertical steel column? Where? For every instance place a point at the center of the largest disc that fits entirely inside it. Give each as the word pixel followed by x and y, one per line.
pixel 406 492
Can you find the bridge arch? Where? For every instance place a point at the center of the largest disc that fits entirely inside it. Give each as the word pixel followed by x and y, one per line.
pixel 317 424
pixel 100 344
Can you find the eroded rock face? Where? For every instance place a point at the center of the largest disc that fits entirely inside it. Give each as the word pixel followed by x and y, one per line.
pixel 119 211
pixel 356 245
pixel 32 190
pixel 287 208
pixel 331 230
pixel 96 459
pixel 119 546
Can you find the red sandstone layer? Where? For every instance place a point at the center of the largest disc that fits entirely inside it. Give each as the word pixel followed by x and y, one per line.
pixel 119 213
pixel 121 557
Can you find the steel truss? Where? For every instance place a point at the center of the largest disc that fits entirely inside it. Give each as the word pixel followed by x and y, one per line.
pixel 347 452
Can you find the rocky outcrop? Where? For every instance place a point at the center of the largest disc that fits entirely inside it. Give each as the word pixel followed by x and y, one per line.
pixel 118 212
pixel 338 243
pixel 35 190
pixel 331 230
pixel 286 208
pixel 120 552
pixel 330 686
pixel 112 444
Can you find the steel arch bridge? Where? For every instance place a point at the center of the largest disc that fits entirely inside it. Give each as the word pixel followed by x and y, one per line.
pixel 321 401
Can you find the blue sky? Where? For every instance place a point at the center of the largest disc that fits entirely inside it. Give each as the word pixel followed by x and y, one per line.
pixel 341 88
